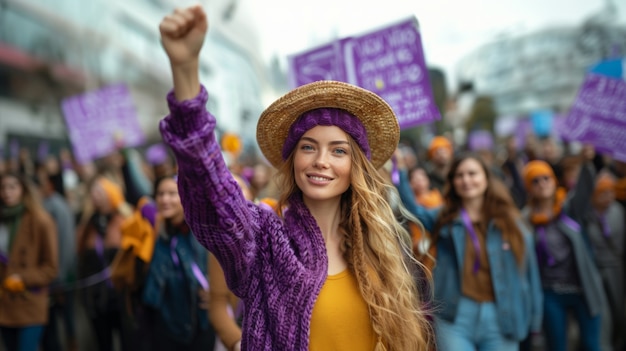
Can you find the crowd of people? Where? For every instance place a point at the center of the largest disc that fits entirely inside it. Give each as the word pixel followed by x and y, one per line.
pixel 340 236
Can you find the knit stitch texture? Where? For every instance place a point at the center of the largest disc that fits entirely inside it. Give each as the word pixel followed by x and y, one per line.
pixel 277 267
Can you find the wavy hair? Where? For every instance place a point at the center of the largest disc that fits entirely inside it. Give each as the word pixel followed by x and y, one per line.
pixel 378 251
pixel 498 206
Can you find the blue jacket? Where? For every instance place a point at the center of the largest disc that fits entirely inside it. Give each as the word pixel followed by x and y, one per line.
pixel 518 294
pixel 173 290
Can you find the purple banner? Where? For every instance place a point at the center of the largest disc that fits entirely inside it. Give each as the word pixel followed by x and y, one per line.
pixel 101 121
pixel 598 115
pixel 322 63
pixel 389 62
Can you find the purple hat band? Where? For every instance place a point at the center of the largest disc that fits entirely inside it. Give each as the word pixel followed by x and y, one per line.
pixel 327 117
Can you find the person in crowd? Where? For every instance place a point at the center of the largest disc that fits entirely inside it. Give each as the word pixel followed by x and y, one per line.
pixel 176 290
pixel 607 231
pixel 440 155
pixel 420 185
pixel 486 280
pixel 62 296
pixel 98 241
pixel 328 272
pixel 569 167
pixel 618 168
pixel 569 276
pixel 511 169
pixel 28 264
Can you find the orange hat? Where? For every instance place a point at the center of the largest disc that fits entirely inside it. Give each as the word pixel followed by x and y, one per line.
pixel 604 182
pixel 438 142
pixel 113 192
pixel 536 169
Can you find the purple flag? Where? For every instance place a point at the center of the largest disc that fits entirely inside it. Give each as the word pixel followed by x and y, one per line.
pixel 598 115
pixel 389 62
pixel 100 121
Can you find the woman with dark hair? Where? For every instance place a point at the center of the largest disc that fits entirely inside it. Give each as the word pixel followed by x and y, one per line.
pixel 176 289
pixel 28 264
pixel 486 281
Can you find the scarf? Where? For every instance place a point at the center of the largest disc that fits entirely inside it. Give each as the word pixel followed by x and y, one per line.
pixel 12 216
pixel 538 219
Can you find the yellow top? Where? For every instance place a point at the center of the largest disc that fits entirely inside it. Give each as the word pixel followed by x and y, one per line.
pixel 341 319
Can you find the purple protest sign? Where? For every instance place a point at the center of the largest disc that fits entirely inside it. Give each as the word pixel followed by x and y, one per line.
pixel 389 62
pixel 480 140
pixel 598 115
pixel 322 63
pixel 100 121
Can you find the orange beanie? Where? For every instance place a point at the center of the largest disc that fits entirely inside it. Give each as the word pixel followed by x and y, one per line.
pixel 113 192
pixel 438 142
pixel 536 169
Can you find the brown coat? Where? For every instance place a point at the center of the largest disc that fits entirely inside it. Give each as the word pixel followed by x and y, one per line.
pixel 34 257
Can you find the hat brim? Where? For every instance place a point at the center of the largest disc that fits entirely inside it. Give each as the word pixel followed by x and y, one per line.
pixel 381 124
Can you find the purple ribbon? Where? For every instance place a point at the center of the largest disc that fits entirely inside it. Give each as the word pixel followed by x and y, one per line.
pixel 572 224
pixel 543 245
pixel 197 272
pixel 472 233
pixel 100 253
pixel 4 259
pixel 395 173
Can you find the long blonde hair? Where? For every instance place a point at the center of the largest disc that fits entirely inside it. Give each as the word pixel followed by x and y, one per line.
pixel 375 246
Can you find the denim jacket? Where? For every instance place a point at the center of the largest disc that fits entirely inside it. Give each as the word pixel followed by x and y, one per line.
pixel 518 294
pixel 172 290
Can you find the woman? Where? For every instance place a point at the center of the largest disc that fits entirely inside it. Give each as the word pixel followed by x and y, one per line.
pixel 569 277
pixel 99 239
pixel 329 272
pixel 28 264
pixel 486 280
pixel 420 184
pixel 607 233
pixel 176 287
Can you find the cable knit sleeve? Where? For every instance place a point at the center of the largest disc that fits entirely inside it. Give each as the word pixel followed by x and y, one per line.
pixel 215 209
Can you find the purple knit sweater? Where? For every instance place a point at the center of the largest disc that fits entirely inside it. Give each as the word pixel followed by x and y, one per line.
pixel 276 267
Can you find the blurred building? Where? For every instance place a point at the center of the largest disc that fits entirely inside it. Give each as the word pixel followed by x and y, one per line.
pixel 52 49
pixel 540 70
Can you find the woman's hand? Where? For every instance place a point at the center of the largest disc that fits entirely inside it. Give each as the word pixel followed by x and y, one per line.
pixel 182 34
pixel 14 284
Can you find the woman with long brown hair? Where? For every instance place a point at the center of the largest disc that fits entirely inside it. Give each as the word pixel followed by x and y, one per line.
pixel 329 272
pixel 486 281
pixel 28 263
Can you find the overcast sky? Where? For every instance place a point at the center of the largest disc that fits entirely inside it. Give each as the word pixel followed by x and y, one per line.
pixel 450 28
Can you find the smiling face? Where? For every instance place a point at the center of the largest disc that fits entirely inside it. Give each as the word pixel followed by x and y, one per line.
pixel 322 163
pixel 168 201
pixel 470 179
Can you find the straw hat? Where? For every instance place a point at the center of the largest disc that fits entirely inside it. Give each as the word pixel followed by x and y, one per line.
pixel 381 124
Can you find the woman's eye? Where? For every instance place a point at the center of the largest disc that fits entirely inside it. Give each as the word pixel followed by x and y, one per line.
pixel 341 151
pixel 306 147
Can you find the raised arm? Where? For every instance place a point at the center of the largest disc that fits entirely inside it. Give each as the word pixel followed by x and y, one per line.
pixel 219 216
